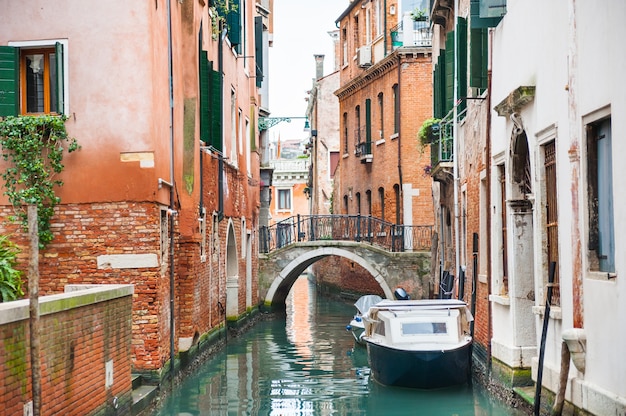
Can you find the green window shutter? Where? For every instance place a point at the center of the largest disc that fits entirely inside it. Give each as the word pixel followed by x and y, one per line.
pixel 216 110
pixel 258 49
pixel 368 120
pixel 60 78
pixel 449 74
pixel 486 13
pixel 233 20
pixel 204 96
pixel 462 64
pixel 478 58
pixel 439 86
pixel 9 81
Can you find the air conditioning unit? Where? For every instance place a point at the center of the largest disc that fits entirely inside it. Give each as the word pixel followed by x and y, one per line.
pixel 364 56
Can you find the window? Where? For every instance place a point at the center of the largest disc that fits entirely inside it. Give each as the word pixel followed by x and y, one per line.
pixel 357 124
pixel 378 16
pixel 368 201
pixel 503 218
pixel 284 199
pixel 210 103
pixel 396 192
pixel 38 67
pixel 381 198
pixel 345 132
pixel 601 245
pixel 358 203
pixel 424 328
pixel 396 109
pixel 368 127
pixel 344 52
pixel 345 204
pixel 381 117
pixel 552 220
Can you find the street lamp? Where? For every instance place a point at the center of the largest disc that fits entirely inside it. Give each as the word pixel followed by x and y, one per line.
pixel 268 122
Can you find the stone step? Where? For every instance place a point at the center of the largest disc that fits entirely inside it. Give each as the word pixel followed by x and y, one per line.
pixel 143 397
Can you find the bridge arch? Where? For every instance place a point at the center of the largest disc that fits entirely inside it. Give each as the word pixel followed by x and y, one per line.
pixel 282 283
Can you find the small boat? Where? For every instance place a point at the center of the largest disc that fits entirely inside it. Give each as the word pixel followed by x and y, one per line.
pixel 356 326
pixel 424 344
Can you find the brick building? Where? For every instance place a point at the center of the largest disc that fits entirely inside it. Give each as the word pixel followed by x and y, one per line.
pixel 164 193
pixel 385 94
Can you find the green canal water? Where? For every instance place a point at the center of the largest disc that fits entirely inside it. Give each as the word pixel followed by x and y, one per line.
pixel 306 363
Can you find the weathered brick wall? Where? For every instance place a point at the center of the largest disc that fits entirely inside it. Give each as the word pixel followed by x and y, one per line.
pixel 82 232
pixel 412 73
pixel 78 336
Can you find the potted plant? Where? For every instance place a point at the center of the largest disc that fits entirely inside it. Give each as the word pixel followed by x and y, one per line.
pixel 429 131
pixel 419 15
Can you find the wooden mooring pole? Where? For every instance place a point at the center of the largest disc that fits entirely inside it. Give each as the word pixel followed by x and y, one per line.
pixel 33 295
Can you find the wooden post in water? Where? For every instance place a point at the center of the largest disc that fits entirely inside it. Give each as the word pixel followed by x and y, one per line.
pixel 544 333
pixel 33 294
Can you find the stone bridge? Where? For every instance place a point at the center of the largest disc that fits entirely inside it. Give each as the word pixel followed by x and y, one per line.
pixel 279 269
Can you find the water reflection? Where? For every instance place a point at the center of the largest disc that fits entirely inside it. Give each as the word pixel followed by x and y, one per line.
pixel 307 364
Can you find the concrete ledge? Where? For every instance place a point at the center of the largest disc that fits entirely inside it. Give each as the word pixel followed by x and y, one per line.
pixel 19 310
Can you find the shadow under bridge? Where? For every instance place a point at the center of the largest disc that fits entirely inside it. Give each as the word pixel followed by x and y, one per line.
pixel 394 255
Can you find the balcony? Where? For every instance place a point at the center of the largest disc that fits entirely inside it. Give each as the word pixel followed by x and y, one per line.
pixel 442 151
pixel 363 145
pixel 411 33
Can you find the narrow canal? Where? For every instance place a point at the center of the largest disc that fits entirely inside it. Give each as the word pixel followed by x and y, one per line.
pixel 308 364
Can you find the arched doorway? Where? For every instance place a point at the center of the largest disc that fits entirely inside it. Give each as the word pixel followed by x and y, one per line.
pixel 521 243
pixel 232 275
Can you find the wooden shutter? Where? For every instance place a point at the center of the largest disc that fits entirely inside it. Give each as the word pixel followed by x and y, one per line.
pixel 368 123
pixel 449 74
pixel 60 78
pixel 486 13
pixel 215 98
pixel 9 81
pixel 204 96
pixel 478 58
pixel 233 20
pixel 258 49
pixel 462 63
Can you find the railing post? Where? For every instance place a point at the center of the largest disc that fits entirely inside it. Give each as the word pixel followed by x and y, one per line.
pixel 358 228
pixel 298 227
pixel 393 237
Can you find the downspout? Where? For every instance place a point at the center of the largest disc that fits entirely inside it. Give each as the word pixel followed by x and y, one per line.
pixel 171 210
pixel 385 27
pixel 220 160
pixel 401 216
pixel 488 202
pixel 455 131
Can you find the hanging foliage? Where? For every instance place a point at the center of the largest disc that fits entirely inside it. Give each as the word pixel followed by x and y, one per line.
pixel 10 278
pixel 34 147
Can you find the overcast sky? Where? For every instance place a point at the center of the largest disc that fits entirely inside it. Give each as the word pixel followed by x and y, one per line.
pixel 300 32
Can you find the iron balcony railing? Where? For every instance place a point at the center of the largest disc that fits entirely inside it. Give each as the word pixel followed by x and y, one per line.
pixel 357 228
pixel 418 33
pixel 442 147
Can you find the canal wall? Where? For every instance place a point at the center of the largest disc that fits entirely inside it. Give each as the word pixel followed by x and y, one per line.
pixel 85 349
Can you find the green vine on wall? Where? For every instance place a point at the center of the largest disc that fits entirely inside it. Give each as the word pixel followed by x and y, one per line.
pixel 34 147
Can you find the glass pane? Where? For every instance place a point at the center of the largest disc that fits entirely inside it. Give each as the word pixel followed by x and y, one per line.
pixel 34 83
pixel 424 328
pixel 53 83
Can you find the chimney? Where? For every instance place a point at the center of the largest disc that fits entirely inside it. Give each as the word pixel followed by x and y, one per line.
pixel 319 66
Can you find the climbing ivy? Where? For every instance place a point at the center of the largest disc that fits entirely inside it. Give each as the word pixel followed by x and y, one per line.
pixel 34 147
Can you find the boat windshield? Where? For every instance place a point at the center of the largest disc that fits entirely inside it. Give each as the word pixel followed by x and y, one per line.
pixel 424 328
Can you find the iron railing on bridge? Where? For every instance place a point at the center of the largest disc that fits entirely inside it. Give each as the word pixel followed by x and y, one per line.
pixel 365 229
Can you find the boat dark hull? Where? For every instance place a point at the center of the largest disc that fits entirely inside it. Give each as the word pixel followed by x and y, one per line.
pixel 419 369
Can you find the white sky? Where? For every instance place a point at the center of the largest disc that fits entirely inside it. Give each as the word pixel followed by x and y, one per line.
pixel 300 31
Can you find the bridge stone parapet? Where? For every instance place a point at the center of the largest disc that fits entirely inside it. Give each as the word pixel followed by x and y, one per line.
pixel 279 269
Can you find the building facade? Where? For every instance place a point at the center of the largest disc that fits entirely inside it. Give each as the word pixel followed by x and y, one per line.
pixel 531 168
pixel 164 193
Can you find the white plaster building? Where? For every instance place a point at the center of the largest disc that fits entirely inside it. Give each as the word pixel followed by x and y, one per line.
pixel 560 114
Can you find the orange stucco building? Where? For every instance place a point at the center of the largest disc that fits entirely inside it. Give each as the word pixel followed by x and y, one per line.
pixel 163 98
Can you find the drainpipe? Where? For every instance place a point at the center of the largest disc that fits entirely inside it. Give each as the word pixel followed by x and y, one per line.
pixel 171 210
pixel 455 131
pixel 385 28
pixel 488 173
pixel 400 138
